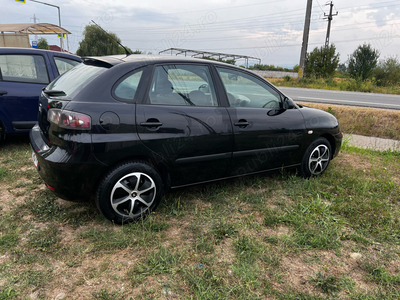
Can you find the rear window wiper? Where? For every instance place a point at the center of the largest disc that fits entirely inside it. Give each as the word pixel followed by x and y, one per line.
pixel 54 92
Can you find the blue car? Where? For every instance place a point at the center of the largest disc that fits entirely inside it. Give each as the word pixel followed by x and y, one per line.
pixel 24 72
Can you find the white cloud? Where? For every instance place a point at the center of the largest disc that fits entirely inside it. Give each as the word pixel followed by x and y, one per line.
pixel 270 29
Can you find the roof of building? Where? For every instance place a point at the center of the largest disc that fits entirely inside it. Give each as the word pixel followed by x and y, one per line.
pixel 33 28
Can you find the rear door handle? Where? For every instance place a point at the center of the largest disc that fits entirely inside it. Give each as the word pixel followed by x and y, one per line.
pixel 151 124
pixel 242 123
pixel 3 93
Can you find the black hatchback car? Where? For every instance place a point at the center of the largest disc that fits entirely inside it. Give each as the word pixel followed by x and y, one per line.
pixel 126 128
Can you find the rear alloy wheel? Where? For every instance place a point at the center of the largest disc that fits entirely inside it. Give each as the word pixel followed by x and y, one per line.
pixel 129 192
pixel 316 159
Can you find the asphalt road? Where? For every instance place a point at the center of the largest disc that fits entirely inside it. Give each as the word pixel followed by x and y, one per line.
pixel 343 98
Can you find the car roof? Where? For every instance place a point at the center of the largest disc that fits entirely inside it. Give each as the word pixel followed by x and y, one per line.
pixel 33 51
pixel 113 60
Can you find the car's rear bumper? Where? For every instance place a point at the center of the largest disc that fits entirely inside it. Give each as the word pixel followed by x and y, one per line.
pixel 72 172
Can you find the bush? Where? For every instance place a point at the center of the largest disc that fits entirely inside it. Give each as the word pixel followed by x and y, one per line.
pixel 287 78
pixel 388 72
pixel 321 62
pixel 362 62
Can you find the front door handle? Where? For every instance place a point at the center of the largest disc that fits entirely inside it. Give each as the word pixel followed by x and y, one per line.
pixel 242 123
pixel 3 93
pixel 151 123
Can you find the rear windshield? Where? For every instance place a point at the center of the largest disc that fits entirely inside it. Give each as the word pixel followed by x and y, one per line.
pixel 76 79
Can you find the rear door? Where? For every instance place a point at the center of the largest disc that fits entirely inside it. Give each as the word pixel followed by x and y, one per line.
pixel 183 125
pixel 22 78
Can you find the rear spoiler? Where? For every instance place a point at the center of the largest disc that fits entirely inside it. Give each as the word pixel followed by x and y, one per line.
pixel 102 61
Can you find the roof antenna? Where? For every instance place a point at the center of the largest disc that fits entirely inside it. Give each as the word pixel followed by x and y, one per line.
pixel 126 50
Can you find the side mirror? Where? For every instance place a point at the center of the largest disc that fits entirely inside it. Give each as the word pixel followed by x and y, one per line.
pixel 204 88
pixel 288 103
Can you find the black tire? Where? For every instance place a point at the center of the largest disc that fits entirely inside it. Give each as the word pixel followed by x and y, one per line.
pixel 125 184
pixel 316 159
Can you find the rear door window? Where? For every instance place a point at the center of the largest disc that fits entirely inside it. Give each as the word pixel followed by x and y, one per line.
pixel 23 68
pixel 182 85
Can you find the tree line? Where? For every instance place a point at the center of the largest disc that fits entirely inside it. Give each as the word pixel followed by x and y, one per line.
pixel 323 62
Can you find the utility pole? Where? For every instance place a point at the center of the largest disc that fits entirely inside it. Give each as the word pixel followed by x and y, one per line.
pixel 306 33
pixel 34 21
pixel 59 18
pixel 329 18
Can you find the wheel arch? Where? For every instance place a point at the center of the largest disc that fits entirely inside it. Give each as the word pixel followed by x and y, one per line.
pixel 159 166
pixel 331 141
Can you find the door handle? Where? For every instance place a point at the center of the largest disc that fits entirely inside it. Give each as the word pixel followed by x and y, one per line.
pixel 242 123
pixel 151 123
pixel 3 93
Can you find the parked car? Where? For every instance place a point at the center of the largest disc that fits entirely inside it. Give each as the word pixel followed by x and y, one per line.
pixel 125 129
pixel 23 74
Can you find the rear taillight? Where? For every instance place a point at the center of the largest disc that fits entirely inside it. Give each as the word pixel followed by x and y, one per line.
pixel 69 119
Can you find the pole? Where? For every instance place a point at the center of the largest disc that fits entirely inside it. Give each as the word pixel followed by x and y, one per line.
pixel 59 17
pixel 329 17
pixel 306 33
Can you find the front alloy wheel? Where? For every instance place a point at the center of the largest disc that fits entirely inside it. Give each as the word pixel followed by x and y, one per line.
pixel 316 159
pixel 319 160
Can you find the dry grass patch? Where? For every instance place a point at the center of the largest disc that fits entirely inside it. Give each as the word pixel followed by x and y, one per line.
pixel 381 123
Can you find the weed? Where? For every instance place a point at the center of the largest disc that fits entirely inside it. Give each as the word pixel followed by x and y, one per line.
pixel 104 294
pixel 331 111
pixel 204 244
pixel 7 293
pixel 328 284
pixel 162 261
pixel 223 230
pixel 44 240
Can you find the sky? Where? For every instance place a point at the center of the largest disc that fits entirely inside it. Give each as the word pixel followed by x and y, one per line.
pixel 271 30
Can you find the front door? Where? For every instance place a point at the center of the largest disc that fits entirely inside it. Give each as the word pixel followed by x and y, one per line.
pixel 266 135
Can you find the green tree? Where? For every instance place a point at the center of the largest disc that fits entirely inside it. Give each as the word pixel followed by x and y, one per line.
pixel 387 72
pixel 322 62
pixel 97 43
pixel 42 44
pixel 296 68
pixel 363 61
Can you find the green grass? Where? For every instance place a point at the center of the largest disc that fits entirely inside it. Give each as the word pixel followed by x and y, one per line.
pixel 272 236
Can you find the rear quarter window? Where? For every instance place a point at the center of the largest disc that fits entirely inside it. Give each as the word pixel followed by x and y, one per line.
pixel 125 88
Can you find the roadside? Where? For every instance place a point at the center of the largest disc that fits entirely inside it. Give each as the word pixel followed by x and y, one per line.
pixel 373 143
pixel 336 84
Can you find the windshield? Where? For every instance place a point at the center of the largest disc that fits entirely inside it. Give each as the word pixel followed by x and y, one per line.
pixel 76 79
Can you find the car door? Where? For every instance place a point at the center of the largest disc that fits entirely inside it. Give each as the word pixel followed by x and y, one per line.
pixel 22 77
pixel 266 135
pixel 183 125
